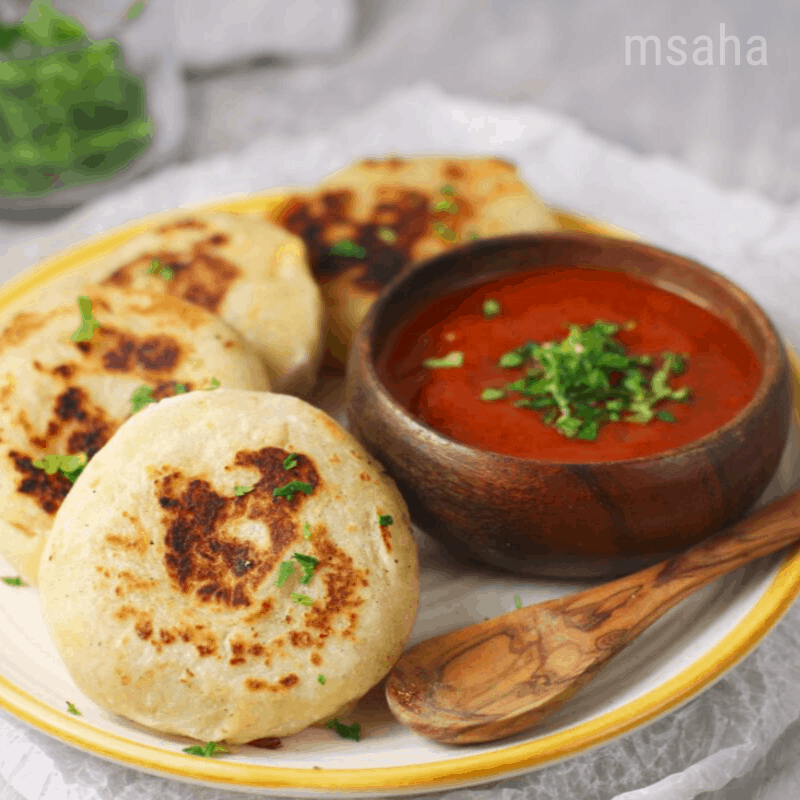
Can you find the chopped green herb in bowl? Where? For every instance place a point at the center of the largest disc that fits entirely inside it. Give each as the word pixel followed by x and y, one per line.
pixel 70 113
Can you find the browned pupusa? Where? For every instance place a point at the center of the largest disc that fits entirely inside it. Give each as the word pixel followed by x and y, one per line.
pixel 251 273
pixel 63 397
pixel 401 211
pixel 160 587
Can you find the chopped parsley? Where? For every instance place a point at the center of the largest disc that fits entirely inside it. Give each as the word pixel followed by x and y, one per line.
pixel 445 205
pixel 239 491
pixel 157 268
pixel 88 323
pixel 385 519
pixel 141 397
pixel 207 750
pixel 135 10
pixel 491 308
pixel 69 466
pixel 303 599
pixel 490 394
pixel 517 601
pixel 180 388
pixel 290 462
pixel 447 189
pixel 285 571
pixel 215 384
pixel 446 233
pixel 307 564
pixel 453 359
pixel 17 581
pixel 387 235
pixel 322 680
pixel 345 731
pixel 72 710
pixel 291 489
pixel 306 530
pixel 348 248
pixel 474 236
pixel 588 379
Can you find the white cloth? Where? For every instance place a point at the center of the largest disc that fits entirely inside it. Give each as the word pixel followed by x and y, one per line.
pixel 727 734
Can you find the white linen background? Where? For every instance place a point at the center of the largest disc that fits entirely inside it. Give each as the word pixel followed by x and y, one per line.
pixel 299 119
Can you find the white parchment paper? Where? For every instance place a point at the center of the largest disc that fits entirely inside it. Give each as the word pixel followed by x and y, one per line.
pixel 741 738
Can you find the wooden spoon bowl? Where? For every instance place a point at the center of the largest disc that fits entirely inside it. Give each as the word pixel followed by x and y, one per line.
pixel 496 678
pixel 574 520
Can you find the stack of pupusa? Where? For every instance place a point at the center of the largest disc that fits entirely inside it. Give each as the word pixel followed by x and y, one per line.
pixel 251 273
pixel 231 566
pixel 196 298
pixel 62 394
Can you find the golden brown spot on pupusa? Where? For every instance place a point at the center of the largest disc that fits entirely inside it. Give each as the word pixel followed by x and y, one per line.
pixel 365 476
pixel 203 640
pixel 202 557
pixel 183 224
pixel 200 275
pixel 284 683
pixel 315 659
pixel 136 545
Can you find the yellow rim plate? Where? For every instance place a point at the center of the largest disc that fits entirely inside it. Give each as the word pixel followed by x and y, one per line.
pixel 455 768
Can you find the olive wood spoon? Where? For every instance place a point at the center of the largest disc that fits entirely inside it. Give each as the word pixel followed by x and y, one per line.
pixel 496 678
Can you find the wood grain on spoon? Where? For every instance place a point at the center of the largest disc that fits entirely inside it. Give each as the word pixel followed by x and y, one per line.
pixel 497 678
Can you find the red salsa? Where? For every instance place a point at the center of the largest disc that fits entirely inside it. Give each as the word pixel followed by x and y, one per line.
pixel 467 398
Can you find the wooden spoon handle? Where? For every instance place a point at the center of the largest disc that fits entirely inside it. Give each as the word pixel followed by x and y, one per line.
pixel 657 589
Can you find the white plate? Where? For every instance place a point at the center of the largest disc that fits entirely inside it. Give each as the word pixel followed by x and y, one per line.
pixel 668 665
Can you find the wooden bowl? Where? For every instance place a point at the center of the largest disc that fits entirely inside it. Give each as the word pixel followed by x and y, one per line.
pixel 549 518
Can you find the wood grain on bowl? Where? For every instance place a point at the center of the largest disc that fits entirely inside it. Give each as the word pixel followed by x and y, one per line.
pixel 581 519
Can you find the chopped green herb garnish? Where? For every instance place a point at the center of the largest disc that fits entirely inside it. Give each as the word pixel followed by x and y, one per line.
pixel 17 581
pixel 141 397
pixel 385 519
pixel 239 491
pixel 589 379
pixel 511 360
pixel 445 205
pixel 474 235
pixel 135 10
pixel 215 384
pixel 517 601
pixel 180 388
pixel 387 235
pixel 285 570
pixel 303 599
pixel 307 564
pixel 208 750
pixel 491 308
pixel 157 268
pixel 490 394
pixel 69 466
pixel 290 462
pixel 345 731
pixel 443 231
pixel 291 489
pixel 447 189
pixel 453 359
pixel 88 323
pixel 348 248
pixel 306 530
pixel 322 680
pixel 72 710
